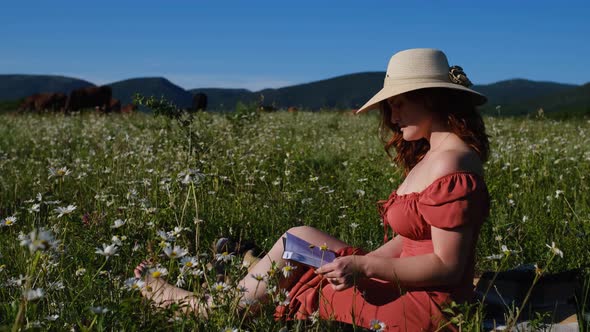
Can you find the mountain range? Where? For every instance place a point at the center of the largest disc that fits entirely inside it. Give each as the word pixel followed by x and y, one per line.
pixel 514 96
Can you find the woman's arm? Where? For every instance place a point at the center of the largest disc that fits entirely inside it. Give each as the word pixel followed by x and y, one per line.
pixel 445 266
pixel 392 248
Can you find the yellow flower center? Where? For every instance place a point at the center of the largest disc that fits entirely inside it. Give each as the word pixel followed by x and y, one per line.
pixel 188 264
pixel 156 274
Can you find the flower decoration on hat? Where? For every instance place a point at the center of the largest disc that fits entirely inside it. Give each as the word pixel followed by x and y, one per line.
pixel 458 76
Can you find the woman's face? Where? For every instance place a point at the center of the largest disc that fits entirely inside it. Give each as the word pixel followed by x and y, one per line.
pixel 412 117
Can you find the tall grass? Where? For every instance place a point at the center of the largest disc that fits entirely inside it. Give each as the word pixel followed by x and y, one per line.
pixel 252 179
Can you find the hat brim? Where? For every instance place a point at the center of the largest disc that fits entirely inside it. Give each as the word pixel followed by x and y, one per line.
pixel 397 89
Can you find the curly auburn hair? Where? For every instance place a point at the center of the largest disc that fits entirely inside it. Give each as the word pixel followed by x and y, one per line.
pixel 452 106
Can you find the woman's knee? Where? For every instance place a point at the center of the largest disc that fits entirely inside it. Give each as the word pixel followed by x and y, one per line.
pixel 301 231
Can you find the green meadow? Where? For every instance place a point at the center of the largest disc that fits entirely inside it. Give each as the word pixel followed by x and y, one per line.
pixel 85 198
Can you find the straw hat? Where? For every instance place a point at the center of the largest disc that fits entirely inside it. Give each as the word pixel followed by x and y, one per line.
pixel 421 68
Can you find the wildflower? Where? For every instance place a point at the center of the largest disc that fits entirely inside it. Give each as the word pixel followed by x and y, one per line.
pixel 314 317
pixel 176 252
pixel 38 239
pixel 360 192
pixel 118 223
pixel 558 192
pixel 229 329
pixel 376 325
pixel 80 271
pixel 35 208
pixel 224 257
pixel 220 286
pixel 133 284
pixel 324 247
pixel 525 218
pixel 9 221
pixel 52 318
pixel 158 272
pixel 314 179
pixel 259 277
pixel 118 241
pixel 288 270
pixel 165 236
pixel 34 294
pixel 494 257
pixel 354 225
pixel 555 250
pixel 189 262
pixel 99 310
pixel 58 172
pixel 107 250
pixel 242 289
pixel 65 210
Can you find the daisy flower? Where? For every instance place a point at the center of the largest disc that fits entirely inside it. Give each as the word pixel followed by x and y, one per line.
pixel 134 284
pixel 158 272
pixel 38 239
pixel 118 223
pixel 220 286
pixel 189 262
pixel 65 210
pixel 175 252
pixel 107 250
pixel 288 270
pixel 376 325
pixel 59 172
pixel 224 257
pixel 99 310
pixel 34 294
pixel 9 221
pixel 555 250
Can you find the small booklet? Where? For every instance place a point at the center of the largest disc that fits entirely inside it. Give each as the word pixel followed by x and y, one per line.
pixel 299 250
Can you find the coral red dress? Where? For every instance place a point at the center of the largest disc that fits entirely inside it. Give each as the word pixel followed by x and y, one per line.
pixel 450 201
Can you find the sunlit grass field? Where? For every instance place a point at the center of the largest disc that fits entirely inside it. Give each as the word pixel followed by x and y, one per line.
pixel 85 198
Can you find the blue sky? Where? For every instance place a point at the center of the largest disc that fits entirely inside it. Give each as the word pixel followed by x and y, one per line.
pixel 261 44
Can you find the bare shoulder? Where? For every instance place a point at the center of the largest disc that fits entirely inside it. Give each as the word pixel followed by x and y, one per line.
pixel 449 161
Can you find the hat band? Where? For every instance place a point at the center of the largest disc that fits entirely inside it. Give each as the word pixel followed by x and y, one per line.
pixel 390 81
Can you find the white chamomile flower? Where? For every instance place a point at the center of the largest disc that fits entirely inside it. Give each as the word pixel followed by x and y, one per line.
pixel 175 252
pixel 9 221
pixel 118 223
pixel 376 325
pixel 288 270
pixel 65 210
pixel 224 257
pixel 38 239
pixel 60 172
pixel 189 262
pixel 99 310
pixel 134 284
pixel 555 250
pixel 34 294
pixel 220 287
pixel 158 272
pixel 107 250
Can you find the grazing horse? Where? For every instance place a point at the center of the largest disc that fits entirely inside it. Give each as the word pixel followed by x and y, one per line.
pixel 48 101
pixel 129 108
pixel 89 98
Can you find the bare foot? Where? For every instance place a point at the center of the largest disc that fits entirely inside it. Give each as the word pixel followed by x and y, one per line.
pixel 163 294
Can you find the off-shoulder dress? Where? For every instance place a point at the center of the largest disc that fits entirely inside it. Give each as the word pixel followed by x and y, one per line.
pixel 451 201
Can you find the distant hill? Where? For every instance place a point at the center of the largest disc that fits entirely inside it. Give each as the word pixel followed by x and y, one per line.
pixel 345 92
pixel 575 100
pixel 151 86
pixel 351 91
pixel 516 96
pixel 13 87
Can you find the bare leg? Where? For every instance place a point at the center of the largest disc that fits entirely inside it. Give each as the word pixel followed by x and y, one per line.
pixel 164 294
pixel 256 289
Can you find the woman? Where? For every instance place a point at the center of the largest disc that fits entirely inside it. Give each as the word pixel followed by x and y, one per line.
pixel 440 141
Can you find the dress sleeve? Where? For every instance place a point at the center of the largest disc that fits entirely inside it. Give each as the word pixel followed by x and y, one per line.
pixel 455 200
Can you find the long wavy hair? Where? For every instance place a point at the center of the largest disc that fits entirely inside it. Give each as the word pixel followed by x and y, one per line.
pixel 452 106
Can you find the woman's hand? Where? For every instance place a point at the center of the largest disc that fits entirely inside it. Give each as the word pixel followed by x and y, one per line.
pixel 342 272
